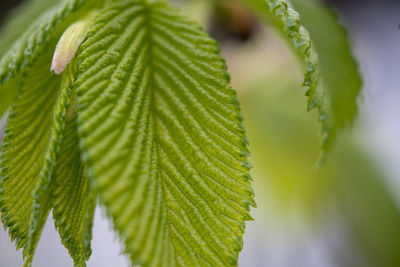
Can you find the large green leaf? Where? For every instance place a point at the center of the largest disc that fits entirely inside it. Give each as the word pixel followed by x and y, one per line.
pixel 331 72
pixel 162 138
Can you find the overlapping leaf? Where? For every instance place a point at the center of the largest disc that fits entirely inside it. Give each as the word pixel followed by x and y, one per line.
pixel 162 136
pixel 333 86
pixel 42 191
pixel 73 204
pixel 35 130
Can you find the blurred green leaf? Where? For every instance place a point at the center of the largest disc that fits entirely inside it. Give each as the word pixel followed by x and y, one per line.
pixel 368 205
pixel 331 72
pixel 339 69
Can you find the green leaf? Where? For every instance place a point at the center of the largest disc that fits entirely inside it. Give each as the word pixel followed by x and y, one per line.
pixel 162 138
pixel 15 25
pixel 31 143
pixel 73 204
pixel 372 214
pixel 41 166
pixel 331 72
pixel 3 120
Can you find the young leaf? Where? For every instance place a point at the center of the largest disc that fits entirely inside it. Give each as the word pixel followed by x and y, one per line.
pixel 333 90
pixel 69 43
pixel 73 205
pixel 162 138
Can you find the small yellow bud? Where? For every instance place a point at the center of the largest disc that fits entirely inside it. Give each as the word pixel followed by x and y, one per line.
pixel 69 43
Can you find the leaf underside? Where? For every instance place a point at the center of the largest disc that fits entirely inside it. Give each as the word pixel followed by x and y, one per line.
pixel 162 138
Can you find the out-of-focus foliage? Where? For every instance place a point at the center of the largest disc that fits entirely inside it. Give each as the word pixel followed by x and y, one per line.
pixel 339 70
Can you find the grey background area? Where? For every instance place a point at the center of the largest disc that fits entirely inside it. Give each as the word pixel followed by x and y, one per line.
pixel 374 29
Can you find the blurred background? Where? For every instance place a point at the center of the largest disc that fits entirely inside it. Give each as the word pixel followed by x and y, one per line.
pixel 345 213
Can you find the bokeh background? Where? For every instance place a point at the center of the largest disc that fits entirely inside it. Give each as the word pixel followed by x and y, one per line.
pixel 343 214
